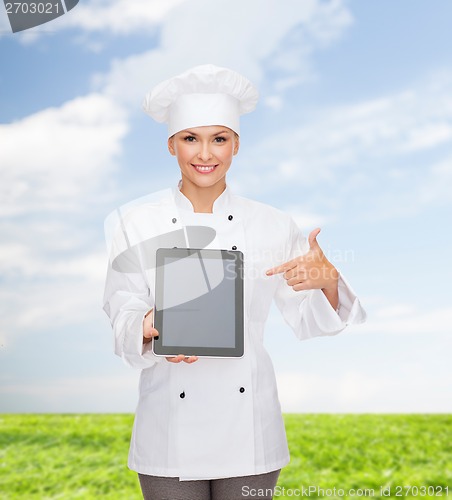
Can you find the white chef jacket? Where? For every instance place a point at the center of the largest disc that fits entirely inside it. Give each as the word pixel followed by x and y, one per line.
pixel 216 418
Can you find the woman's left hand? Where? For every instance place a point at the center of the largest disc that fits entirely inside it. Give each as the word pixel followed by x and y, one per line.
pixel 312 270
pixel 182 357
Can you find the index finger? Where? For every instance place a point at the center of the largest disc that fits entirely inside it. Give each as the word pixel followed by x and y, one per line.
pixel 281 268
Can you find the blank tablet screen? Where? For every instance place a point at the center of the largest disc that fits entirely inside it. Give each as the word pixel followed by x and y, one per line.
pixel 199 302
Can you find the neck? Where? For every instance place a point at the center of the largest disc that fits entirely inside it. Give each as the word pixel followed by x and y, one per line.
pixel 202 198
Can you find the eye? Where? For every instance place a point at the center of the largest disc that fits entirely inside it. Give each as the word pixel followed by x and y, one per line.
pixel 190 138
pixel 220 139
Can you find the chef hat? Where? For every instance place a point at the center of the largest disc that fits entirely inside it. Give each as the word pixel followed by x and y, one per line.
pixel 203 95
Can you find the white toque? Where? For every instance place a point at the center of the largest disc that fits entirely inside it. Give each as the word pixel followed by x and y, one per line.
pixel 203 95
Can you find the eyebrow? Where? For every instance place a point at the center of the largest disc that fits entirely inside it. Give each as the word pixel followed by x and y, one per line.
pixel 213 135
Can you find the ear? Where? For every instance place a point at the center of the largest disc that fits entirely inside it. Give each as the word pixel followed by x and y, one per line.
pixel 236 144
pixel 171 146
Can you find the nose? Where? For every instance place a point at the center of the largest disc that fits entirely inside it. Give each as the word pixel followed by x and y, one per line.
pixel 205 154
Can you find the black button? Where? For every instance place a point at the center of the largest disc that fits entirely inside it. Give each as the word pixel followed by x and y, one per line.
pixel 174 220
pixel 230 217
pixel 182 395
pixel 242 389
pixel 234 248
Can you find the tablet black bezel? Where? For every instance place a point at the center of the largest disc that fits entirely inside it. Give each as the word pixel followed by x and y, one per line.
pixel 173 350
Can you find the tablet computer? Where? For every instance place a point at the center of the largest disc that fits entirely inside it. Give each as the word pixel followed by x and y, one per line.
pixel 199 302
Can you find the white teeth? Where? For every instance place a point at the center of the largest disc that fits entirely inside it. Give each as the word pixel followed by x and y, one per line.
pixel 203 169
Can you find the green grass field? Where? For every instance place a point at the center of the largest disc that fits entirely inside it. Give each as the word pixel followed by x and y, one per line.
pixel 84 456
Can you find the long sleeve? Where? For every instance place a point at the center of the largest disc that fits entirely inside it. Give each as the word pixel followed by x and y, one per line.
pixel 309 313
pixel 127 298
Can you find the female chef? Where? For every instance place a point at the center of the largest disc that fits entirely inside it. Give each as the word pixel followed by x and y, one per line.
pixel 209 428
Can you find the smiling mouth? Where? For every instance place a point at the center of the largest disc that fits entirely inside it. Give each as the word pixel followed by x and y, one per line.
pixel 204 169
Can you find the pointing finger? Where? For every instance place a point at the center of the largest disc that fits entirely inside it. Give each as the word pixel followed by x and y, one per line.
pixel 281 268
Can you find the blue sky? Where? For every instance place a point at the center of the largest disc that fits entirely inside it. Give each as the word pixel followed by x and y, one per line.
pixel 353 133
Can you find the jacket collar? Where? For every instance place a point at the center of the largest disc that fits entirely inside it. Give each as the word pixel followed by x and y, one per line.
pixel 221 204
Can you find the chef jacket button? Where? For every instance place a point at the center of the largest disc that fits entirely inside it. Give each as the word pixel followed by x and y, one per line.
pixel 174 220
pixel 242 389
pixel 182 395
pixel 234 248
pixel 230 217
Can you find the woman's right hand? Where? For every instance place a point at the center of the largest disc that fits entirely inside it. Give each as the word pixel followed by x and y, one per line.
pixel 149 332
pixel 148 327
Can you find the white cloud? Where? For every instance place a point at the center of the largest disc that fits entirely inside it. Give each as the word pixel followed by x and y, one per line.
pixel 118 16
pixel 378 152
pixel 114 393
pixel 242 35
pixel 53 158
pixel 406 319
pixel 274 102
pixel 351 391
pixel 49 292
pixel 27 262
pixel 305 219
pixel 342 136
pixel 395 362
pixel 321 25
pixel 247 26
pixel 428 136
pixel 436 188
pixel 53 163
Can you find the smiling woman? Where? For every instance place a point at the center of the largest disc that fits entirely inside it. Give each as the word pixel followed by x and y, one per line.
pixel 207 427
pixel 204 155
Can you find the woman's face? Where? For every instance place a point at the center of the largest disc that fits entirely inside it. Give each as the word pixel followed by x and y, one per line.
pixel 204 154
